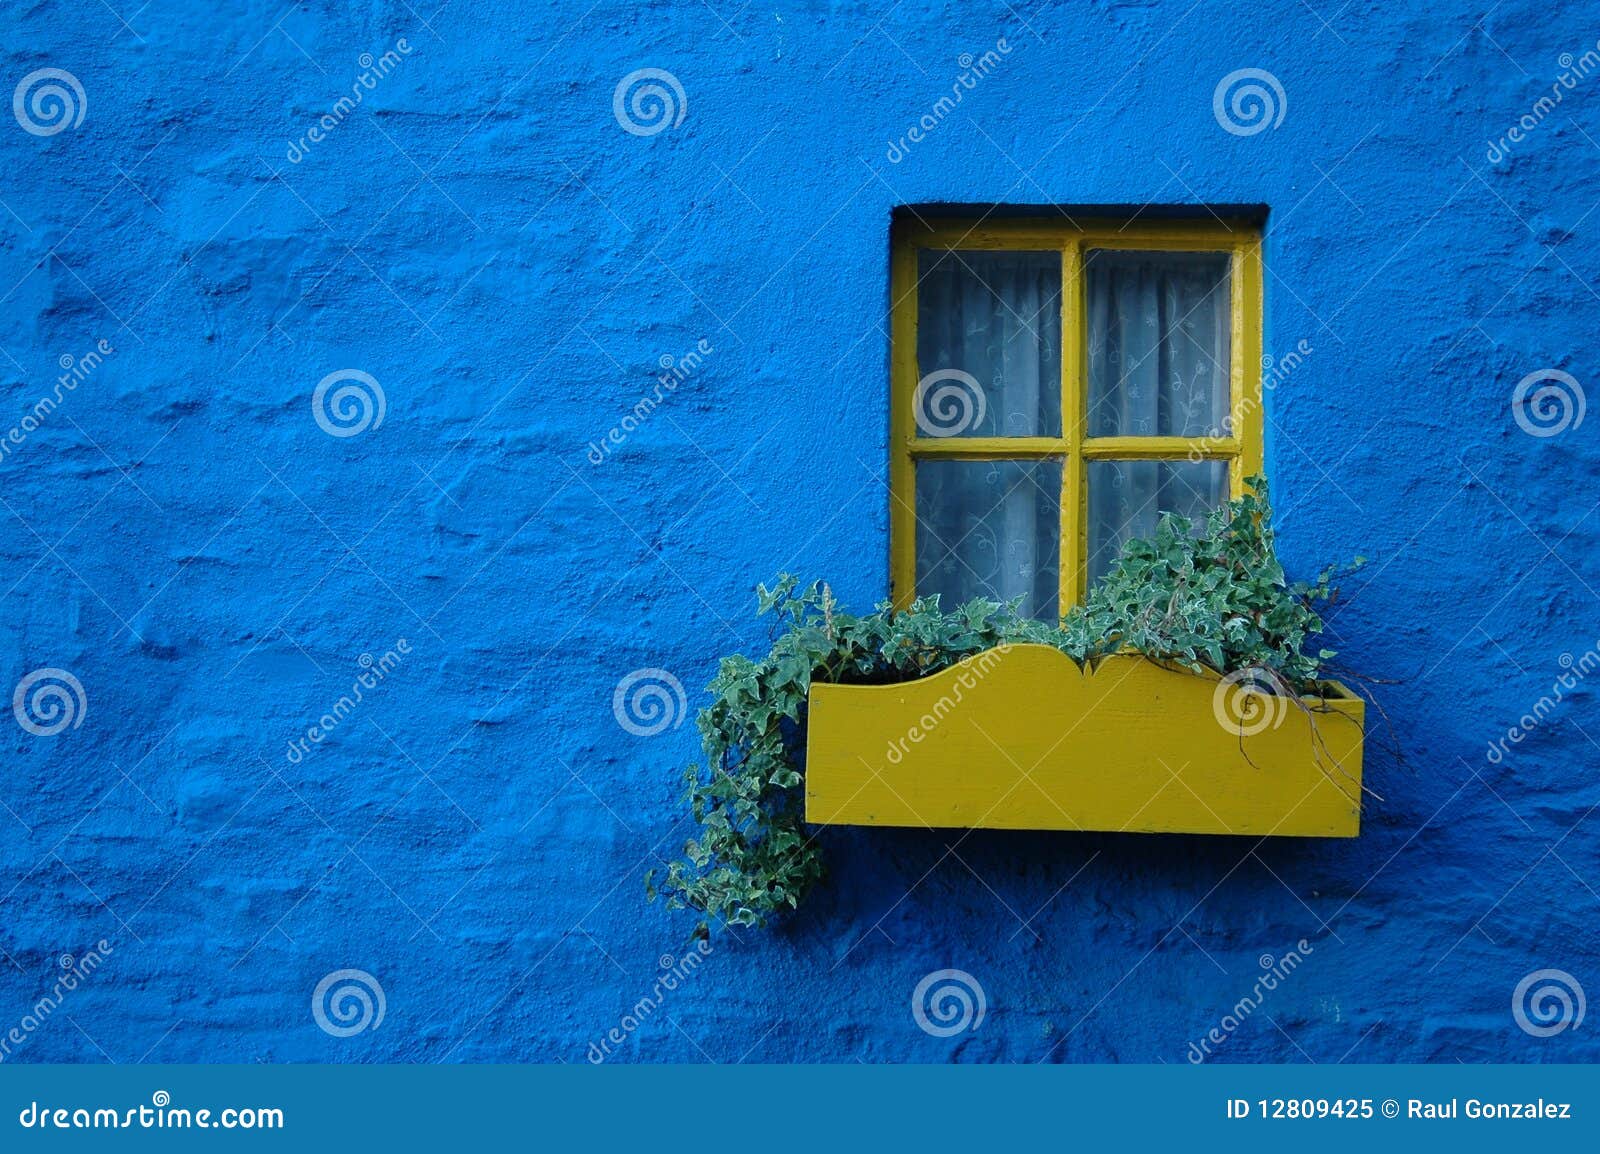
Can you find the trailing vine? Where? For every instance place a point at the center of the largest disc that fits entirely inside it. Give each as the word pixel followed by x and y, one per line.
pixel 1211 597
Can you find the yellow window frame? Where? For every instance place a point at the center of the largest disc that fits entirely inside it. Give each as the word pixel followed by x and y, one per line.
pixel 1242 448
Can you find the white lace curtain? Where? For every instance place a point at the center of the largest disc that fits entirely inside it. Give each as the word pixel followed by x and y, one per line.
pixel 1158 367
pixel 1158 343
pixel 990 322
pixel 990 528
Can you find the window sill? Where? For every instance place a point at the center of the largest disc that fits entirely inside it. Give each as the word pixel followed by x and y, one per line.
pixel 1021 738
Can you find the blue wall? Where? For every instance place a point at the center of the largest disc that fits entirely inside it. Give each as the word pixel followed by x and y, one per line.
pixel 483 238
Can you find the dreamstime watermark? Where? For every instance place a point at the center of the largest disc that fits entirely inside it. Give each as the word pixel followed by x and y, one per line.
pixel 373 671
pixel 948 1002
pixel 1245 702
pixel 973 69
pixel 46 701
pixel 1576 669
pixel 649 100
pixel 1248 101
pixel 75 971
pixel 1548 402
pixel 348 1002
pixel 347 402
pixel 1546 1002
pixel 49 100
pixel 160 1114
pixel 649 701
pixel 971 671
pixel 948 402
pixel 1274 372
pixel 373 69
pixel 1274 971
pixel 76 371
pixel 674 371
pixel 674 972
pixel 1573 69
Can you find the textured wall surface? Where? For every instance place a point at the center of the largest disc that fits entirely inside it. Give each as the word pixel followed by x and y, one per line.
pixel 483 236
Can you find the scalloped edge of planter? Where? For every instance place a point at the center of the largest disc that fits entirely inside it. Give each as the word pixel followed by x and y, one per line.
pixel 1021 737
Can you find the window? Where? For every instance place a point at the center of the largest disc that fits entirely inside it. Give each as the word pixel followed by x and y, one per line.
pixel 1057 386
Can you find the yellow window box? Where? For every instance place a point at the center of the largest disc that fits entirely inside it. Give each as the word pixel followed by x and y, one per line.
pixel 1022 738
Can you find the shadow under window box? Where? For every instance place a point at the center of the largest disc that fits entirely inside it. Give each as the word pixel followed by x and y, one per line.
pixel 1021 738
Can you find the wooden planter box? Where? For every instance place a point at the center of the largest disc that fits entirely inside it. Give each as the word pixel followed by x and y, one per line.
pixel 1022 738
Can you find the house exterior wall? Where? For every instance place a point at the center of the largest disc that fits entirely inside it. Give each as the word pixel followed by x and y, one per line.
pixel 518 274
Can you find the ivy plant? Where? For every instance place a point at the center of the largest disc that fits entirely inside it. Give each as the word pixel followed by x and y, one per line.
pixel 1209 596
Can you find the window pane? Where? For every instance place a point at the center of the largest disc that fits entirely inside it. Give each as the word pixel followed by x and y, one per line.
pixel 1158 343
pixel 1126 498
pixel 990 529
pixel 988 344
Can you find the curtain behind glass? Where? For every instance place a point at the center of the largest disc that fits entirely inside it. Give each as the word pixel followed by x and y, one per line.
pixel 1159 332
pixel 997 317
pixel 1158 343
pixel 989 529
pixel 1127 498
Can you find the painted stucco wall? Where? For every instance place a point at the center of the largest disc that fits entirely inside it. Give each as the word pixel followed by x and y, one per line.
pixel 512 268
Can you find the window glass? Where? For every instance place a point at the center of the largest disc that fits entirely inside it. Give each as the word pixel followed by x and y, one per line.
pixel 1158 343
pixel 990 340
pixel 1127 498
pixel 990 529
pixel 988 344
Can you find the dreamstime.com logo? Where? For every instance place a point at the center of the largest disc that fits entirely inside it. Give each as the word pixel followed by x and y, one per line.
pixel 347 1003
pixel 1573 69
pixel 373 671
pixel 49 100
pixel 948 402
pixel 75 370
pixel 347 402
pixel 74 972
pixel 649 701
pixel 649 100
pixel 973 69
pixel 1274 372
pixel 1249 101
pixel 160 1114
pixel 947 1003
pixel 373 69
pixel 1274 972
pixel 674 973
pixel 1574 670
pixel 1548 402
pixel 1546 1002
pixel 674 371
pixel 972 670
pixel 1244 703
pixel 46 701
